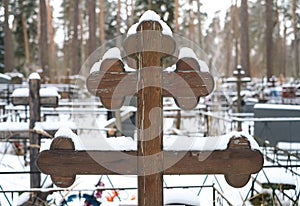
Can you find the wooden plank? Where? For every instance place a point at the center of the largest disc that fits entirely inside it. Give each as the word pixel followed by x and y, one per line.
pixel 238 162
pixel 44 101
pixel 186 86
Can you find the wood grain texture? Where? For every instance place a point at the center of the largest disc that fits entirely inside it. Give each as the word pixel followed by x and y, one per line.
pixel 44 101
pixel 234 163
pixel 34 139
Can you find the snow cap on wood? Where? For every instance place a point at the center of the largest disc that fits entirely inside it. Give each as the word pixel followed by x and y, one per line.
pixel 150 15
pixel 96 66
pixel 67 133
pixel 186 52
pixel 112 53
pixel 34 75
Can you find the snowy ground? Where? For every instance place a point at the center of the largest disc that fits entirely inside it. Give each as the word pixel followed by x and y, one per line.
pixel 191 192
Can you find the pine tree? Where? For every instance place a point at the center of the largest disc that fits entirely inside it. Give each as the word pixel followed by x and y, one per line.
pixel 165 9
pixel 25 34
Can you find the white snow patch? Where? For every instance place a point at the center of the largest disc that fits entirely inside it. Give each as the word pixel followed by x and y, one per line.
pixel 288 145
pixel 128 69
pixel 132 29
pixel 175 143
pixel 23 198
pixel 276 106
pixel 44 92
pixel 179 196
pixel 14 126
pixel 34 75
pixel 68 133
pixel 184 143
pixel 166 30
pixel 95 67
pixel 4 76
pixel 276 176
pixel 172 68
pixel 55 125
pixel 186 52
pixel 49 92
pixel 20 92
pixel 149 15
pixel 112 53
pixel 121 143
pixel 203 66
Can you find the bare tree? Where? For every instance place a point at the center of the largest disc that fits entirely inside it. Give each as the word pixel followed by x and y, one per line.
pixel 52 52
pixel 8 41
pixel 296 45
pixel 102 29
pixel 235 25
pixel 25 37
pixel 200 35
pixel 191 21
pixel 92 42
pixel 176 26
pixel 269 37
pixel 118 23
pixel 43 37
pixel 75 42
pixel 245 61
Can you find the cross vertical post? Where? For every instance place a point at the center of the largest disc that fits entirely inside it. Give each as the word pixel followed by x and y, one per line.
pixel 150 161
pixel 35 116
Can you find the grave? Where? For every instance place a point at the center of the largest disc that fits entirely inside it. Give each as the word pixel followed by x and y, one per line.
pixel 147 45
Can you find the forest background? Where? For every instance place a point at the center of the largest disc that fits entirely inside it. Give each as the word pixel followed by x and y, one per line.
pixel 261 35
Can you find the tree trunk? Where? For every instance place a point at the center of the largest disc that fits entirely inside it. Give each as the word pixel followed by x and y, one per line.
pixel 52 54
pixel 191 22
pixel 176 26
pixel 43 38
pixel 118 23
pixel 245 61
pixel 25 37
pixel 236 34
pixel 75 45
pixel 269 37
pixel 278 51
pixel 8 42
pixel 283 71
pixel 83 49
pixel 92 42
pixel 102 29
pixel 199 24
pixel 132 12
pixel 296 45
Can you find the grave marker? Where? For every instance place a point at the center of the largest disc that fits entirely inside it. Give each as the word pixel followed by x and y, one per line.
pixel 150 84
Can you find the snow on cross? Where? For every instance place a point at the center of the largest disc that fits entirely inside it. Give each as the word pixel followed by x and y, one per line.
pixel 147 46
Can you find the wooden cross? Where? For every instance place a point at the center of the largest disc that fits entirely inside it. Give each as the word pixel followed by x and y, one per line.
pixel 150 162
